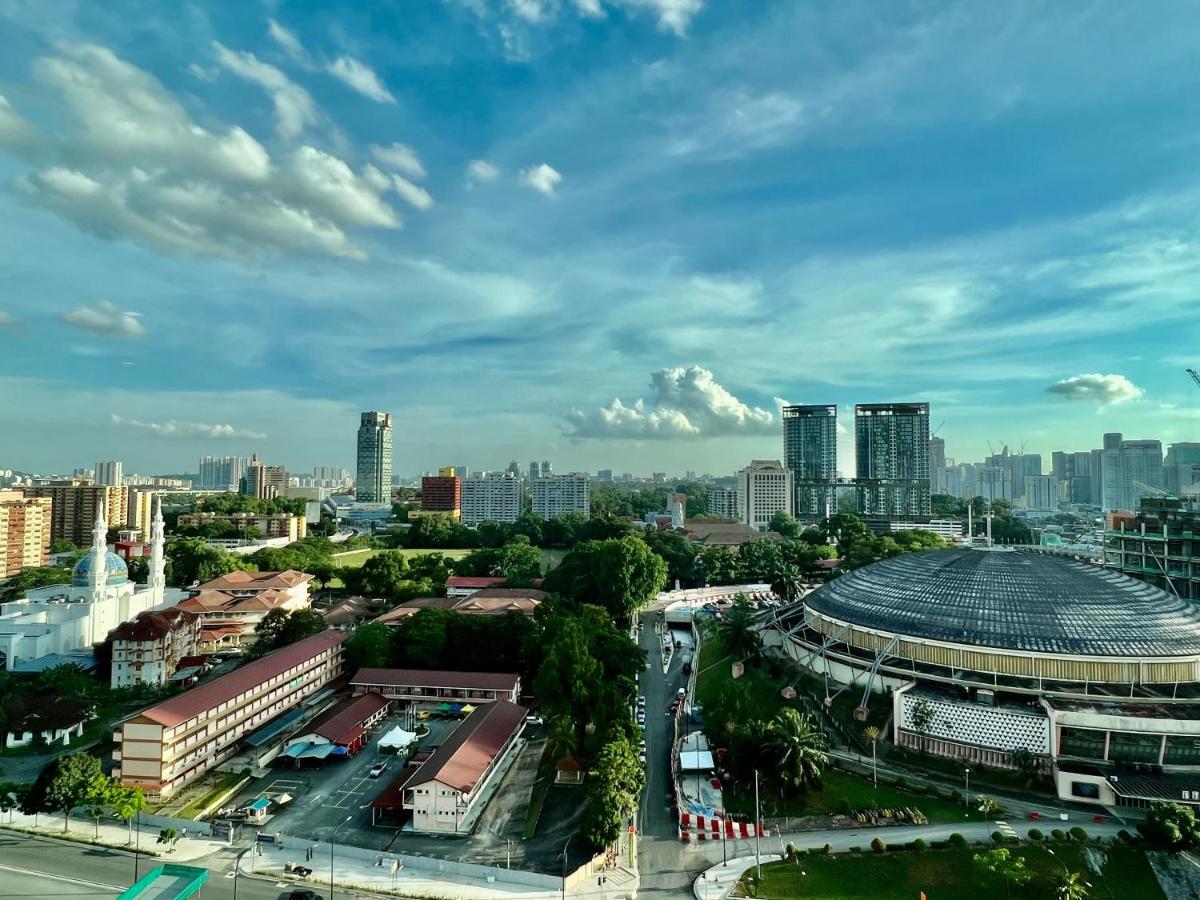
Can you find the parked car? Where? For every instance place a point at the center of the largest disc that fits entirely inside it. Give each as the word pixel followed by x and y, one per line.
pixel 641 701
pixel 301 895
pixel 534 720
pixel 298 871
pixel 378 769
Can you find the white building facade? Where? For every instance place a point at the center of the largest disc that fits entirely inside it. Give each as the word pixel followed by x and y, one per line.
pixel 764 488
pixel 558 495
pixel 491 497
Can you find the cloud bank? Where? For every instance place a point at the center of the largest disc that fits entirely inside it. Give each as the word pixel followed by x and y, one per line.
pixel 177 428
pixel 685 402
pixel 1095 388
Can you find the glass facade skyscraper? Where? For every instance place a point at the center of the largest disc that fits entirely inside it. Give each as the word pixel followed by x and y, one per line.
pixel 891 446
pixel 374 482
pixel 810 452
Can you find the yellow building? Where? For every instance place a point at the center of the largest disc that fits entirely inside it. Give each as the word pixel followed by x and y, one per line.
pixel 24 532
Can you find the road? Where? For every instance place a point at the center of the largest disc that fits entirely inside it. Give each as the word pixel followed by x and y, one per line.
pixel 33 867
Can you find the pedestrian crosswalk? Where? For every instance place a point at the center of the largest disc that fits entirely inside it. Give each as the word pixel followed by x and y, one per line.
pixel 1007 830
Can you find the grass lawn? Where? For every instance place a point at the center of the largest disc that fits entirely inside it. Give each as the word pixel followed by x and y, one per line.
pixel 840 789
pixel 198 804
pixel 948 875
pixel 353 558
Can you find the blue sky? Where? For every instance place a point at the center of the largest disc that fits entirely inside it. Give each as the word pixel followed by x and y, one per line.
pixel 611 233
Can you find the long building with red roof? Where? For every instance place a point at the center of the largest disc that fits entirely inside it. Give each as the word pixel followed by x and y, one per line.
pixel 173 742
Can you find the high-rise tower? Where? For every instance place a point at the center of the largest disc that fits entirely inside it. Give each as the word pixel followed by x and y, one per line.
pixel 374 484
pixel 891 449
pixel 810 452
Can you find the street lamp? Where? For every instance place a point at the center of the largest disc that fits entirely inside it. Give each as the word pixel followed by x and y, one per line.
pixel 564 875
pixel 967 788
pixel 331 837
pixel 137 846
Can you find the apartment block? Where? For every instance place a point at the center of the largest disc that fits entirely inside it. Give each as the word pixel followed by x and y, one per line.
pixel 221 473
pixel 110 474
pixel 374 482
pixel 810 453
pixel 442 493
pixel 558 495
pixel 263 481
pixel 492 497
pixel 148 649
pixel 24 532
pixel 273 525
pixel 174 742
pixel 75 504
pixel 723 502
pixel 891 447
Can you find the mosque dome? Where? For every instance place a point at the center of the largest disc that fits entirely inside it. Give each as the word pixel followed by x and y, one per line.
pixel 116 572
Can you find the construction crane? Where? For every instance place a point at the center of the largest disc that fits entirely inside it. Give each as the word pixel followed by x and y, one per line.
pixel 1195 376
pixel 939 428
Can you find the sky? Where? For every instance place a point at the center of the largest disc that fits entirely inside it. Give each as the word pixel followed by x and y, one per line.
pixel 609 233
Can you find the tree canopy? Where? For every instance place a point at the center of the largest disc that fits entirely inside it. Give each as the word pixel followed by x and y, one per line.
pixel 621 575
pixel 279 627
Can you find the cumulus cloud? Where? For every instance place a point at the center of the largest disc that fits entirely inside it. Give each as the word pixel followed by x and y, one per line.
pixel 673 15
pixel 294 107
pixel 481 170
pixel 400 156
pixel 106 320
pixel 286 39
pixel 178 428
pixel 1096 388
pixel 685 402
pixel 412 193
pixel 362 79
pixel 541 178
pixel 129 162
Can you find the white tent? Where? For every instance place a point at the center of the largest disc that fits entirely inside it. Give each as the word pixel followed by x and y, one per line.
pixel 397 739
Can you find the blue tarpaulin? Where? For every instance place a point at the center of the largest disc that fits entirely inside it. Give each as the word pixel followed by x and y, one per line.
pixel 316 751
pixel 295 750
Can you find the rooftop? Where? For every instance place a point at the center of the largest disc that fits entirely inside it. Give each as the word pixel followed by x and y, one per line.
pixel 213 693
pixel 461 761
pixel 151 625
pixel 492 681
pixel 1018 601
pixel 257 581
pixel 346 716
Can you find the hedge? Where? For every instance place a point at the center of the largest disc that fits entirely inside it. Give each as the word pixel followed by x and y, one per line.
pixel 879 845
pixel 1079 834
pixel 1035 834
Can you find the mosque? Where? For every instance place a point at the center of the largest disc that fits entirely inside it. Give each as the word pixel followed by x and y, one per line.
pixel 59 622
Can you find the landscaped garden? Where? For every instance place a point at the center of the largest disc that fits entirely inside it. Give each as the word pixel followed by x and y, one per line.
pixel 950 874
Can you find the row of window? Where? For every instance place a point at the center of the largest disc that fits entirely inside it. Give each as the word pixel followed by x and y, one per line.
pixel 1130 747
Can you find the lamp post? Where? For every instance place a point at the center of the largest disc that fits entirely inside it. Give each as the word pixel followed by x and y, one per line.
pixel 137 846
pixel 967 788
pixel 331 837
pixel 564 871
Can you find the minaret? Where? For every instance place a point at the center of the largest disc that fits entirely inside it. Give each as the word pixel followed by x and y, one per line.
pixel 158 560
pixel 98 574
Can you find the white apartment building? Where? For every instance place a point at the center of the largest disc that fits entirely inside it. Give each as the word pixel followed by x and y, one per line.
pixel 110 474
pixel 1041 492
pixel 557 495
pixel 763 488
pixel 723 502
pixel 148 649
pixel 491 497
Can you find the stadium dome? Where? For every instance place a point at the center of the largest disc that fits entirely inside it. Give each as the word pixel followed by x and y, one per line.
pixel 116 570
pixel 1025 602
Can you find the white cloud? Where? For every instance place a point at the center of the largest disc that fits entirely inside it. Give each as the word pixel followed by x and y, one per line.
pixel 294 107
pixel 7 320
pixel 400 156
pixel 541 178
pixel 412 193
pixel 481 170
pixel 106 320
pixel 1096 388
pixel 673 15
pixel 182 429
pixel 286 39
pixel 686 402
pixel 530 10
pixel 320 182
pixel 590 9
pixel 357 76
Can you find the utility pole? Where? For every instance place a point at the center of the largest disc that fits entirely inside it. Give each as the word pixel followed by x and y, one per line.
pixel 757 832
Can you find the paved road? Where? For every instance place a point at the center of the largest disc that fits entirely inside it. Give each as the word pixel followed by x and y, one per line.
pixel 33 867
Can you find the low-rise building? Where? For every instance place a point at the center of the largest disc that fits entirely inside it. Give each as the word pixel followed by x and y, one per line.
pixel 52 720
pixel 148 649
pixel 342 726
pixel 272 525
pixel 466 585
pixel 350 612
pixel 168 745
pixel 444 792
pixel 230 606
pixel 487 602
pixel 433 686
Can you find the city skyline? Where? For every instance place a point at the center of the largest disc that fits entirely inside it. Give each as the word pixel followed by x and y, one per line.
pixel 550 294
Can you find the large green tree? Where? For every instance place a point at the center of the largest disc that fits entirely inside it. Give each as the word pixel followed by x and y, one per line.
pixel 279 628
pixel 1171 826
pixel 518 561
pixel 190 560
pixel 28 579
pixel 369 646
pixel 379 575
pixel 614 783
pixel 622 576
pixel 78 781
pixel 797 749
pixel 677 552
pixel 1001 865
pixel 717 565
pixel 740 634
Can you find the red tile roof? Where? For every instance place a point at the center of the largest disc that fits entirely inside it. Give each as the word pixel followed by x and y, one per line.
pixel 471 581
pixel 337 724
pixel 460 762
pixel 152 626
pixel 213 693
pixel 256 581
pixel 436 678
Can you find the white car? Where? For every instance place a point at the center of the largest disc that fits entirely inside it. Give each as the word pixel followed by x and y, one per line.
pixel 641 701
pixel 378 769
pixel 534 720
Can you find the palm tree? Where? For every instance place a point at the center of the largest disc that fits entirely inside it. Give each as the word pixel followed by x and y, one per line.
pixel 787 584
pixel 739 633
pixel 872 733
pixel 797 748
pixel 1070 886
pixel 561 737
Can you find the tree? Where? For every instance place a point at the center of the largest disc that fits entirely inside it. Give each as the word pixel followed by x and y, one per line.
pixel 35 799
pixel 716 565
pixel 989 806
pixel 15 587
pixel 569 675
pixel 614 784
pixel 68 682
pixel 379 576
pixel 190 560
pixel 561 739
pixel 1000 865
pixel 924 715
pixel 677 552
pixel 518 562
pixel 1070 886
pixel 78 780
pixel 62 545
pixel 797 747
pixel 370 646
pixel 127 802
pixel 279 627
pixel 139 569
pixel 739 632
pixel 783 523
pixel 1027 764
pixel 757 560
pixel 322 573
pixel 787 584
pixel 872 734
pixel 168 836
pixel 622 576
pixel 10 797
pixel 1171 826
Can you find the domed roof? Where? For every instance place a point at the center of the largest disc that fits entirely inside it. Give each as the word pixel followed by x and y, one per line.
pixel 1020 601
pixel 114 566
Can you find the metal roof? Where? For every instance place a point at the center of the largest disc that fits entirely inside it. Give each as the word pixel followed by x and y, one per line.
pixel 1017 601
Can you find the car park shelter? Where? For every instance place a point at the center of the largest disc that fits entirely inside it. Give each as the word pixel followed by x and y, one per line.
pixel 167 882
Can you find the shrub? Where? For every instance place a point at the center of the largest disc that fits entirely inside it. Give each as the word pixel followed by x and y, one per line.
pixel 827 849
pixel 856 849
pixel 1035 834
pixel 879 845
pixel 1058 834
pixel 1079 834
pixel 901 782
pixel 956 796
pixel 998 837
pixel 789 851
pixel 1125 836
pixel 957 841
pixel 844 807
pixel 815 851
pixel 939 845
pixel 919 844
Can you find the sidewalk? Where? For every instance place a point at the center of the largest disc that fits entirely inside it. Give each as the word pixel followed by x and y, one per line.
pixel 115 834
pixel 717 882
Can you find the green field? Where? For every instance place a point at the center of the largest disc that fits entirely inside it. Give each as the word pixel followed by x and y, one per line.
pixel 948 875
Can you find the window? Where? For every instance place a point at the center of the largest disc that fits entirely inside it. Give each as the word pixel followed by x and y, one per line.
pixel 1126 747
pixel 1085 789
pixel 1085 743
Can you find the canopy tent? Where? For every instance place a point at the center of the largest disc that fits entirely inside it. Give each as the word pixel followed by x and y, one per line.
pixel 397 739
pixel 468 709
pixel 444 707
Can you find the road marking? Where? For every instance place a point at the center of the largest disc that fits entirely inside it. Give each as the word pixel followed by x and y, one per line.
pixel 107 887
